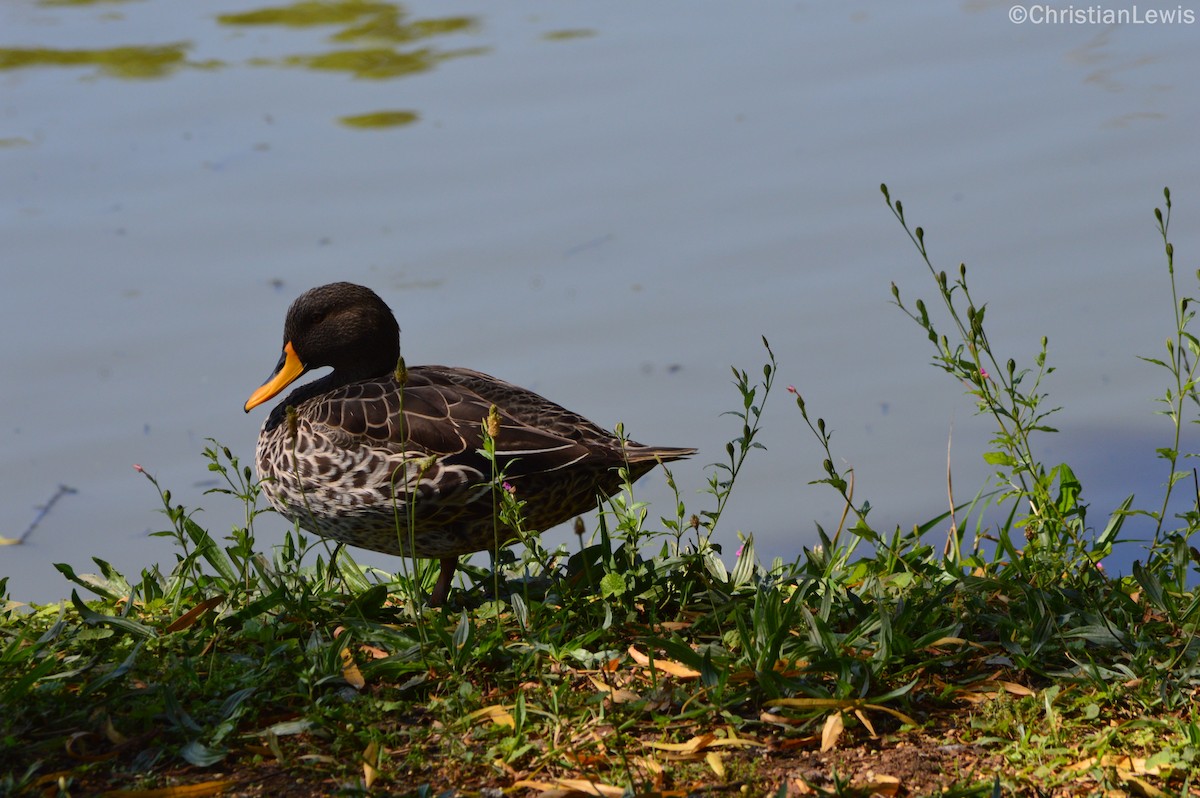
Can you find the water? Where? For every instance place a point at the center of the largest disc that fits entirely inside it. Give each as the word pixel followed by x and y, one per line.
pixel 609 203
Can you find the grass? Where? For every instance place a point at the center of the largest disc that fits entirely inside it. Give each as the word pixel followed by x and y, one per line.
pixel 969 655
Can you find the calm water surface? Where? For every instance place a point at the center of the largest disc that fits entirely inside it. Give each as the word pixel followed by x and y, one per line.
pixel 608 202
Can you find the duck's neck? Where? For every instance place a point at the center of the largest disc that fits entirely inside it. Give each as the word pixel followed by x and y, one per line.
pixel 331 381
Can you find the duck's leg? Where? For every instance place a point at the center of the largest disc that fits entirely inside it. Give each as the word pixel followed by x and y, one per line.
pixel 442 589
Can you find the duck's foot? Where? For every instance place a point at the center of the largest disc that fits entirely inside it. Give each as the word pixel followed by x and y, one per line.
pixel 442 589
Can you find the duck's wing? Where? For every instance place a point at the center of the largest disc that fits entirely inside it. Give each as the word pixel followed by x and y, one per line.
pixel 535 435
pixel 547 434
pixel 530 411
pixel 520 408
pixel 440 413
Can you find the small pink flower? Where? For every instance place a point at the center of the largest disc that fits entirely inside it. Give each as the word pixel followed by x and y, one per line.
pixel 791 389
pixel 984 373
pixel 138 469
pixel 509 488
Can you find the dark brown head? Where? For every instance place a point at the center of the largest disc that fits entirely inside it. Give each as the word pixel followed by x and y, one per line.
pixel 342 325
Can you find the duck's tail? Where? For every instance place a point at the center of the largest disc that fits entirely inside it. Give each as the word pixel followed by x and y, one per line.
pixel 639 453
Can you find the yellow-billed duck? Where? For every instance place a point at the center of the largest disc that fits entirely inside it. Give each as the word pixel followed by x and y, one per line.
pixel 387 458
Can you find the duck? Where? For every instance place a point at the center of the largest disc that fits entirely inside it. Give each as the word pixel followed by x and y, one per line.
pixel 387 457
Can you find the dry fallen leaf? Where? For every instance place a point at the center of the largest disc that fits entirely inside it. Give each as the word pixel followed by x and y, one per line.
pixel 990 690
pixel 688 749
pixel 110 732
pixel 879 785
pixel 496 713
pixel 715 762
pixel 783 720
pixel 370 758
pixel 866 722
pixel 619 695
pixel 569 786
pixel 350 671
pixel 676 669
pixel 1015 689
pixel 1144 787
pixel 195 613
pixel 832 731
pixel 587 760
pixel 947 641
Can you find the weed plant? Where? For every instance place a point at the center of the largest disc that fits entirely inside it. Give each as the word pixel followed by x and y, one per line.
pixel 638 662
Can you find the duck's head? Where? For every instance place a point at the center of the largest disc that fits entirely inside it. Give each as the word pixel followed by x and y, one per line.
pixel 342 325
